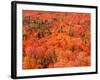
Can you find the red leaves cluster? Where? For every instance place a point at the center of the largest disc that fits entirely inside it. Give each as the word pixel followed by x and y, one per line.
pixel 56 39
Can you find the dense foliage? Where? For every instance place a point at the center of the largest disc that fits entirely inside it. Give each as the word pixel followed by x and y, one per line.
pixel 56 39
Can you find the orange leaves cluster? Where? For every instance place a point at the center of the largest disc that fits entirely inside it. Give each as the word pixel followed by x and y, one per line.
pixel 56 39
